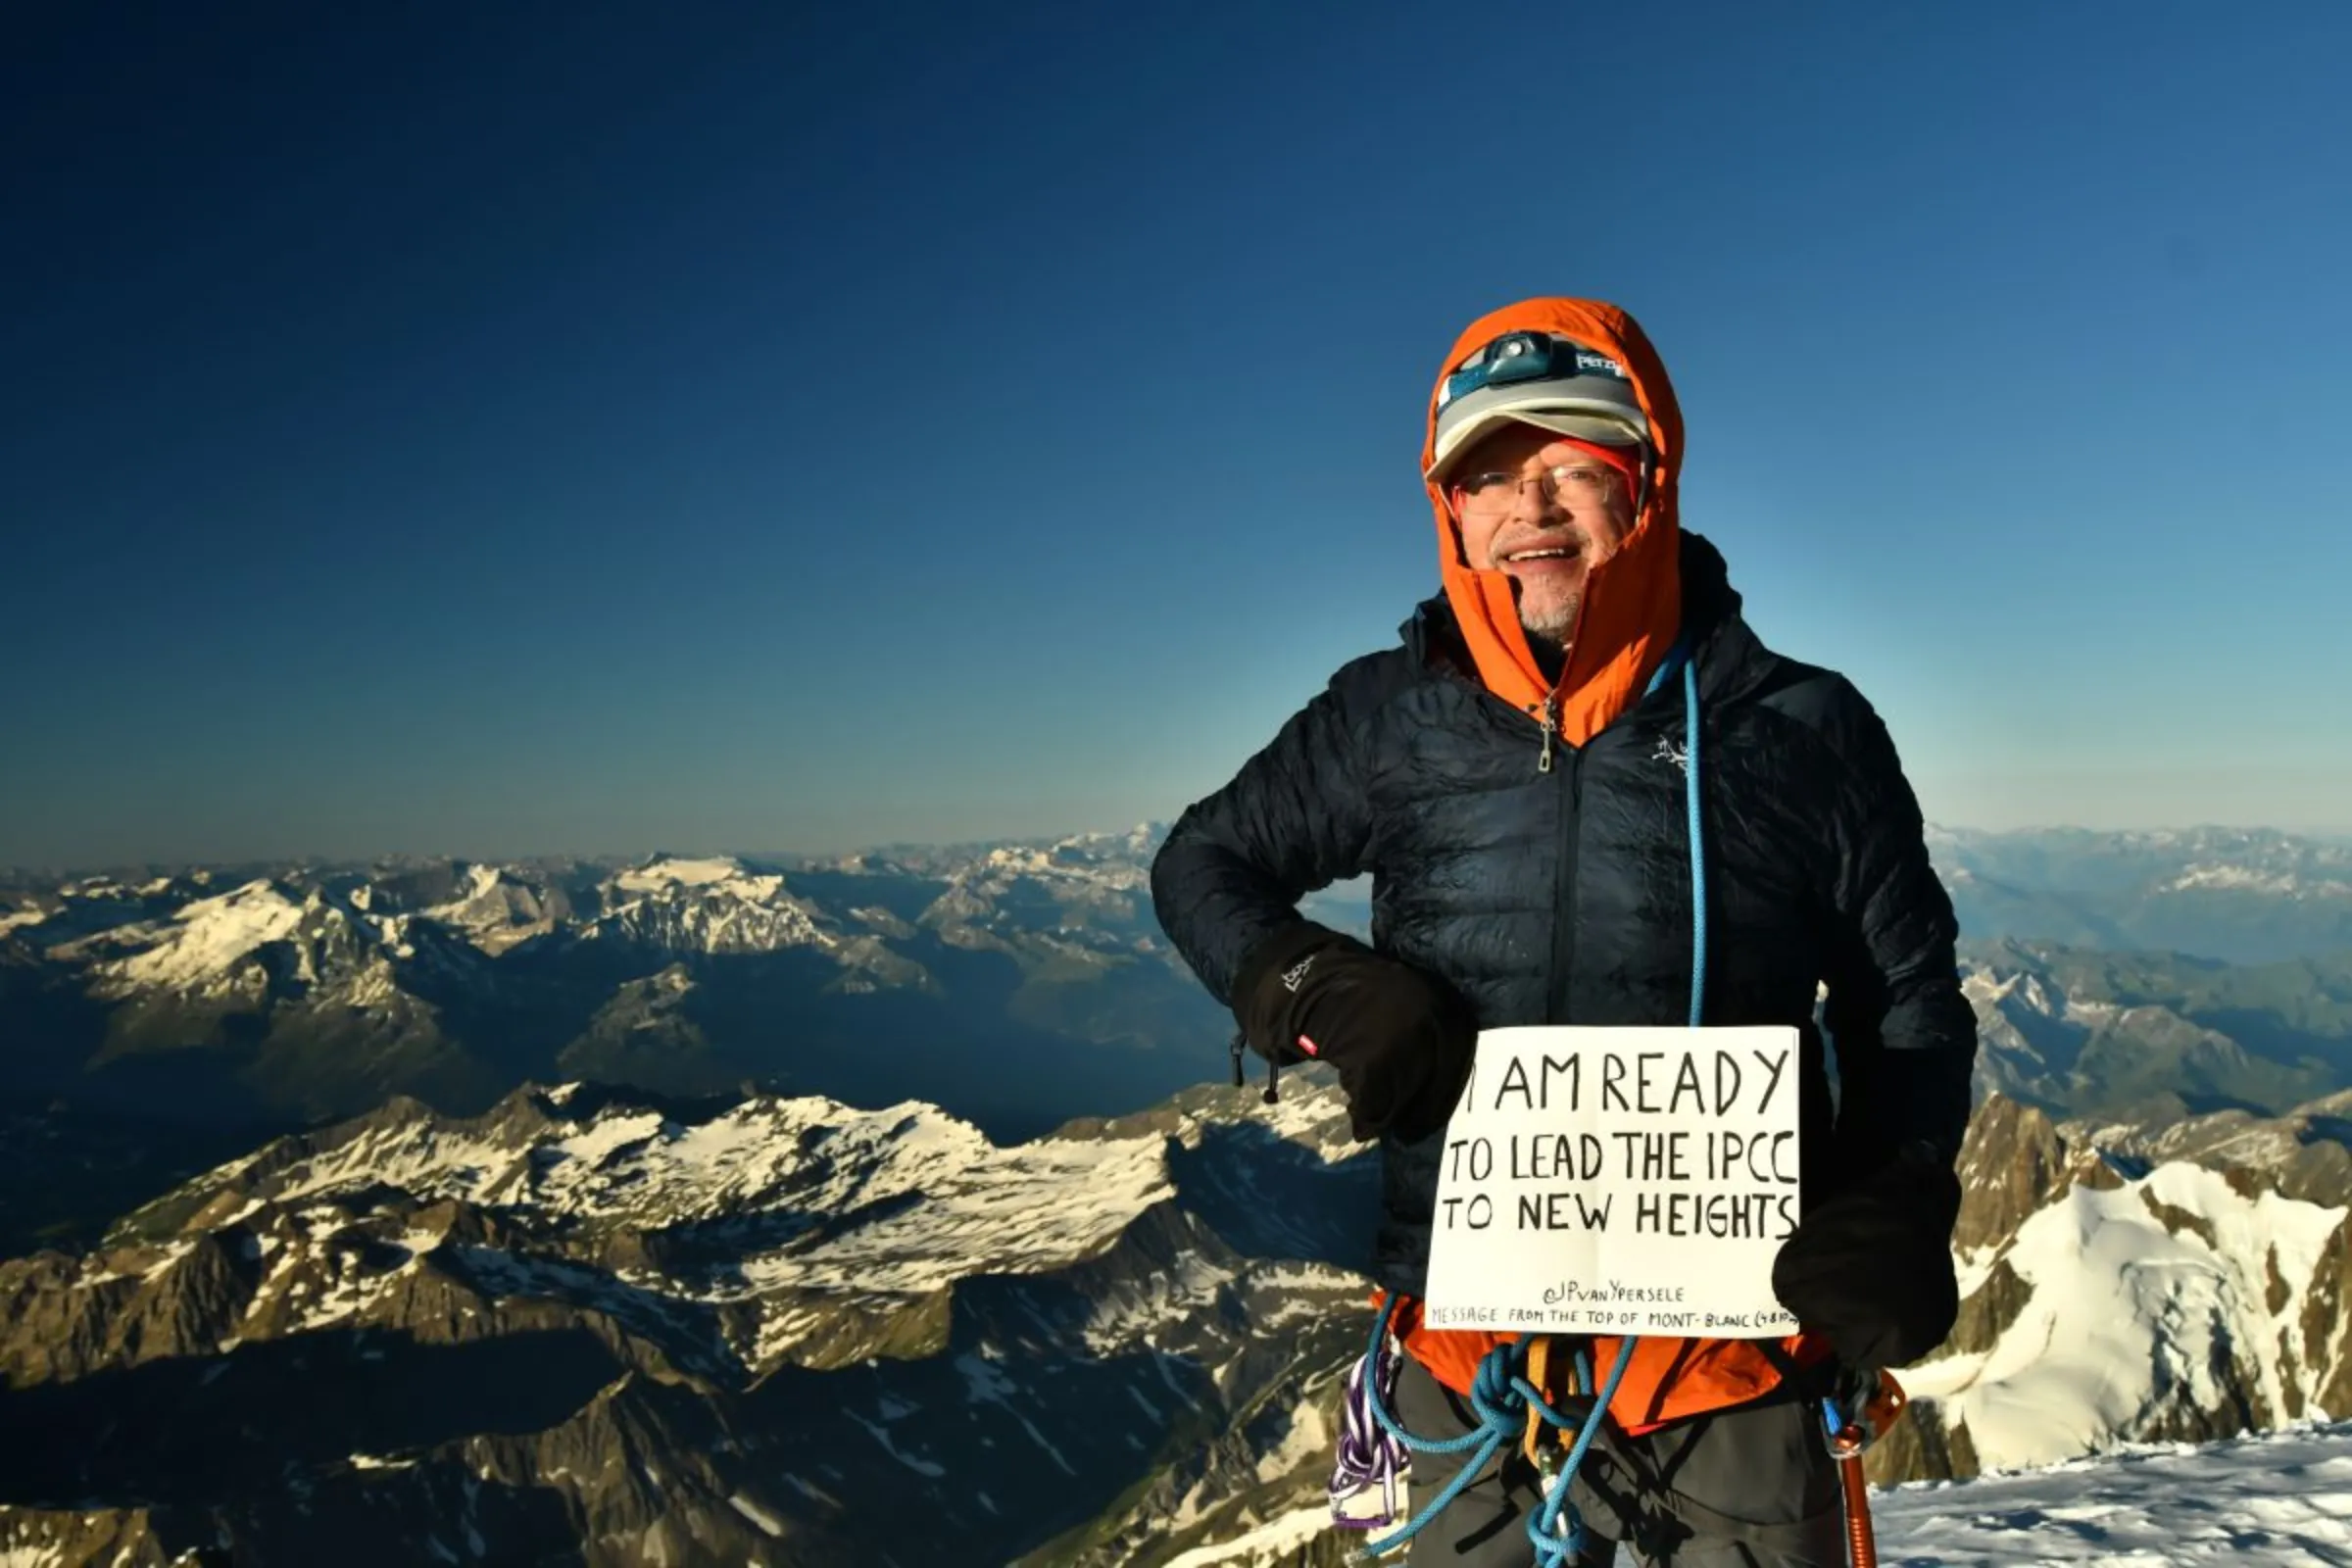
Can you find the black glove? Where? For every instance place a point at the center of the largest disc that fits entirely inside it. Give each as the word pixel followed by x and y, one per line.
pixel 1872 1268
pixel 1401 1038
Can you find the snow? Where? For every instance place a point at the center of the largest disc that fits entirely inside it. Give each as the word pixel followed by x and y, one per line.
pixel 874 1206
pixel 14 918
pixel 983 1384
pixel 1310 1435
pixel 2284 1497
pixel 1118 1317
pixel 693 873
pixel 612 1135
pixel 809 1490
pixel 170 1260
pixel 2253 879
pixel 755 1514
pixel 2128 1319
pixel 921 1467
pixel 208 936
pixel 982 1378
pixel 1272 1541
pixel 711 906
pixel 420 1240
pixel 1317 1121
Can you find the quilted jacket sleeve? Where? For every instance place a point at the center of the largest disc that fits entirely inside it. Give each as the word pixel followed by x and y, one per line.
pixel 1295 818
pixel 1904 1034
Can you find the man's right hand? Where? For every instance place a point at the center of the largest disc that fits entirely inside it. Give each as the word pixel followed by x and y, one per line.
pixel 1400 1038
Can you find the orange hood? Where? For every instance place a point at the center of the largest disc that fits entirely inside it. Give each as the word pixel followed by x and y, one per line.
pixel 1633 602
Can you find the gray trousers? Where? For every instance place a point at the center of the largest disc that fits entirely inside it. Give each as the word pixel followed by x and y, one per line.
pixel 1747 1488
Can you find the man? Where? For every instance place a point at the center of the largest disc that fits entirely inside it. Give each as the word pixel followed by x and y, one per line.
pixel 1514 778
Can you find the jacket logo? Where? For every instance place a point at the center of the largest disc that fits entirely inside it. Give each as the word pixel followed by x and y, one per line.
pixel 1296 974
pixel 1668 752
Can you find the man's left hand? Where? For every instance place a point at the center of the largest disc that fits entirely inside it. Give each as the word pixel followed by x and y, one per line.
pixel 1872 1268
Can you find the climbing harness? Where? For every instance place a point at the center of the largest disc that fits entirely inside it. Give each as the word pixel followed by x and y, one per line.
pixel 1368 1484
pixel 1508 1404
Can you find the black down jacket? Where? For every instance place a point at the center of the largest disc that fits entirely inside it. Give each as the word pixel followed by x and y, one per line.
pixel 1564 897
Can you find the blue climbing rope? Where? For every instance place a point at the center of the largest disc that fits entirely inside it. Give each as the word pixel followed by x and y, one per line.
pixel 1500 1392
pixel 1698 850
pixel 1557 1547
pixel 1501 1396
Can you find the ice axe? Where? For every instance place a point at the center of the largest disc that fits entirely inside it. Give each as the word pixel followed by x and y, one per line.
pixel 1853 1419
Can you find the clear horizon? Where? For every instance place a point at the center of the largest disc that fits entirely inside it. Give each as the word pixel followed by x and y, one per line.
pixel 768 855
pixel 457 436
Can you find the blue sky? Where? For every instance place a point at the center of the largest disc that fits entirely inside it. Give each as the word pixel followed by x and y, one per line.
pixel 578 429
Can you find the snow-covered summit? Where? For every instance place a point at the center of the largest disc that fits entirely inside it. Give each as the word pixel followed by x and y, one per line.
pixel 2122 1284
pixel 209 936
pixel 676 872
pixel 2280 1499
pixel 710 905
pixel 496 910
pixel 2170 1303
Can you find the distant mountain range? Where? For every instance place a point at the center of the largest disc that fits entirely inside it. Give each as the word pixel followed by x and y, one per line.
pixel 605 1328
pixel 1018 984
pixel 2078 1032
pixel 2242 895
pixel 155 1020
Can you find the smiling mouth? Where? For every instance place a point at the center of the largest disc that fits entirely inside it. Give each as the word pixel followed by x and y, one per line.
pixel 1540 552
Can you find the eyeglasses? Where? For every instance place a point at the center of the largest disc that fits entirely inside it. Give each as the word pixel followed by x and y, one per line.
pixel 1490 495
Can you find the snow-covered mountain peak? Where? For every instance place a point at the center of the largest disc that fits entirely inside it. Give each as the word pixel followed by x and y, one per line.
pixel 711 905
pixel 2112 1295
pixel 2141 1299
pixel 2223 876
pixel 1098 861
pixel 676 872
pixel 206 938
pixel 495 910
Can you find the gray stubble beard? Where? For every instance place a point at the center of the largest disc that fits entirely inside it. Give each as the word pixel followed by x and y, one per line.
pixel 1557 630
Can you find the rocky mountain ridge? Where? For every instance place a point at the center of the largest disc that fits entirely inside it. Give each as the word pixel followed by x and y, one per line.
pixel 604 1327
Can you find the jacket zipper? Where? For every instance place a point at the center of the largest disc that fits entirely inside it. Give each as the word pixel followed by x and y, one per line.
pixel 1572 793
pixel 1563 914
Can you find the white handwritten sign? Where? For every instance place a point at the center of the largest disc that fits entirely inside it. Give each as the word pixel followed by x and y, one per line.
pixel 1619 1181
